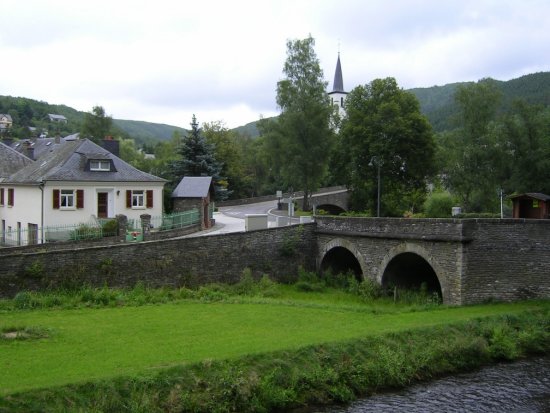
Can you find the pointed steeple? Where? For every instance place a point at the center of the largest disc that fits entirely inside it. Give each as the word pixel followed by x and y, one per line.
pixel 338 95
pixel 338 85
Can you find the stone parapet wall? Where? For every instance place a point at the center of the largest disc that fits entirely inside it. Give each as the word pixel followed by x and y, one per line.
pixel 507 260
pixel 397 228
pixel 174 262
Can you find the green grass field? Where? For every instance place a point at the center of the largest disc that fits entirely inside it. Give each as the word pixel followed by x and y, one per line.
pixel 84 344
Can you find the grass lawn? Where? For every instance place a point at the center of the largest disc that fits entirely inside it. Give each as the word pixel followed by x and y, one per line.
pixel 94 343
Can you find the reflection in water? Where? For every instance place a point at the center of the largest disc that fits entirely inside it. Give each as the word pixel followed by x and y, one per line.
pixel 519 387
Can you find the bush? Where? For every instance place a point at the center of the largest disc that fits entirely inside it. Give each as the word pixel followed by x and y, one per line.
pixel 309 281
pixel 110 228
pixel 439 205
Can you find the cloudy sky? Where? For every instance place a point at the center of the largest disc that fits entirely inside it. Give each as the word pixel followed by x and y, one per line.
pixel 164 60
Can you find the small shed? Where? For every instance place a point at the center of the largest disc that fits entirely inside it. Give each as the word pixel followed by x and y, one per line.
pixel 531 205
pixel 195 192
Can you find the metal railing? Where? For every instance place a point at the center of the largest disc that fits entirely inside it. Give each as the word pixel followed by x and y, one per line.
pixel 167 222
pixel 56 233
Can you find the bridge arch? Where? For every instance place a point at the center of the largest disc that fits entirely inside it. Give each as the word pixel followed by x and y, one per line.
pixel 410 265
pixel 341 255
pixel 332 209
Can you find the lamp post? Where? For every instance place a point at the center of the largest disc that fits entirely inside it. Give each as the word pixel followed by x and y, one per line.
pixel 378 162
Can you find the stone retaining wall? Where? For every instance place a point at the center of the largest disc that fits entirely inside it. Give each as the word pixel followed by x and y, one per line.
pixel 174 262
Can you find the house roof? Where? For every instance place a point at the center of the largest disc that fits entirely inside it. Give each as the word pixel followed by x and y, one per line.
pixel 11 161
pixel 6 117
pixel 67 160
pixel 534 195
pixel 58 117
pixel 193 187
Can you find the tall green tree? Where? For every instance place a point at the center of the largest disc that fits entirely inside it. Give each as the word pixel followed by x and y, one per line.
pixel 229 151
pixel 385 135
pixel 472 153
pixel 526 139
pixel 97 125
pixel 197 159
pixel 299 140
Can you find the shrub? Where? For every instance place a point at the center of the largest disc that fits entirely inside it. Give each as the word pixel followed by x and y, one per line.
pixel 439 205
pixel 110 228
pixel 23 299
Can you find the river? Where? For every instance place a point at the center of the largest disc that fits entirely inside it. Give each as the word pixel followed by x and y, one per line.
pixel 519 387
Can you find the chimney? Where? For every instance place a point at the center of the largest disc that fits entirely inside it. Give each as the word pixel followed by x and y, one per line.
pixel 111 145
pixel 29 149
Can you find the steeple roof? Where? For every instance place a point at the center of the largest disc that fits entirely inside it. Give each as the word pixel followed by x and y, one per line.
pixel 338 85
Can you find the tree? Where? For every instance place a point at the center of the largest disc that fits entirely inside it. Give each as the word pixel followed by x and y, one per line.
pixel 526 139
pixel 229 152
pixel 96 124
pixel 472 153
pixel 385 135
pixel 299 140
pixel 197 159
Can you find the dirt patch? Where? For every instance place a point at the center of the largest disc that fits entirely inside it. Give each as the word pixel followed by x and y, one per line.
pixel 27 333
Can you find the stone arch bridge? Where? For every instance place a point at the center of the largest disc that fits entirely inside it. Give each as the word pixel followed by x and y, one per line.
pixel 466 261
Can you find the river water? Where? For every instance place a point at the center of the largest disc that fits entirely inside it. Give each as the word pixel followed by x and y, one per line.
pixel 519 387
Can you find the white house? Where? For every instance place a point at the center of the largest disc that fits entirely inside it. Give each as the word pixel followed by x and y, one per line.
pixel 72 182
pixel 57 118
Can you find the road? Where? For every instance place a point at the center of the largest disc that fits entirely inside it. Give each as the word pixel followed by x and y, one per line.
pixel 232 218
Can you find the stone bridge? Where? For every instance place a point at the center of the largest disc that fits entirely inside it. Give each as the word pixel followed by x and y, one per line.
pixel 333 199
pixel 466 261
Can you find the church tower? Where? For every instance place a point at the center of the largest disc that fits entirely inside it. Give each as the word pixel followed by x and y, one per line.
pixel 338 95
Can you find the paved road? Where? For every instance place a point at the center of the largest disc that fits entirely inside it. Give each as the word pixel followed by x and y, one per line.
pixel 232 218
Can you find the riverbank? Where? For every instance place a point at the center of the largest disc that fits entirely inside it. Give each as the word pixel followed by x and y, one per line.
pixel 332 372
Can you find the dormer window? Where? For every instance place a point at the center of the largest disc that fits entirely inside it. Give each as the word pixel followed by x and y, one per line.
pixel 103 165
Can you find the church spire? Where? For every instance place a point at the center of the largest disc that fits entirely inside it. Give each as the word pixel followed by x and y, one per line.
pixel 338 95
pixel 338 85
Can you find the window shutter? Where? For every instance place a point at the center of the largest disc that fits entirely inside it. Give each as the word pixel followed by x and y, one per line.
pixel 11 197
pixel 149 198
pixel 56 199
pixel 1 196
pixel 80 198
pixel 128 198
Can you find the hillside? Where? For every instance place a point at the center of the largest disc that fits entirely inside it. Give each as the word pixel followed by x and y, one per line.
pixel 146 131
pixel 436 102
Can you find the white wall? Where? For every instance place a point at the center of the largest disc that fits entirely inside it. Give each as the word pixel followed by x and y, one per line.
pixel 25 211
pixel 116 196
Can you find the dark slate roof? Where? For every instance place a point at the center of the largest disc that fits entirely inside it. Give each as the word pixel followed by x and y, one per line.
pixel 193 187
pixel 67 160
pixel 11 161
pixel 338 85
pixel 535 195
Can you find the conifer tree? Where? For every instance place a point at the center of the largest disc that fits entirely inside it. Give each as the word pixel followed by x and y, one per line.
pixel 197 159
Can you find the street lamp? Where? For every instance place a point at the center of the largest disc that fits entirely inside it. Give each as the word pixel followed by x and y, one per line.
pixel 378 162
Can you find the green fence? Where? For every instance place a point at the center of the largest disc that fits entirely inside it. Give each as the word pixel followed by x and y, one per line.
pixel 167 222
pixel 97 229
pixel 56 233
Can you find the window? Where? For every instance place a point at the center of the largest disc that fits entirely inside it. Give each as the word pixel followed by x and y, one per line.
pixel 10 196
pixel 100 165
pixel 139 199
pixel 2 196
pixel 66 198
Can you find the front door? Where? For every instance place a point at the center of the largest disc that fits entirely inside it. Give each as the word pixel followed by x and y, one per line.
pixel 102 205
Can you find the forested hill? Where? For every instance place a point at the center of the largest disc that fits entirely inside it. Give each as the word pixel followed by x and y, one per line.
pixel 146 131
pixel 437 102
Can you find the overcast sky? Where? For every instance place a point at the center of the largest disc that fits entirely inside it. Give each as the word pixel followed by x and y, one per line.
pixel 164 60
